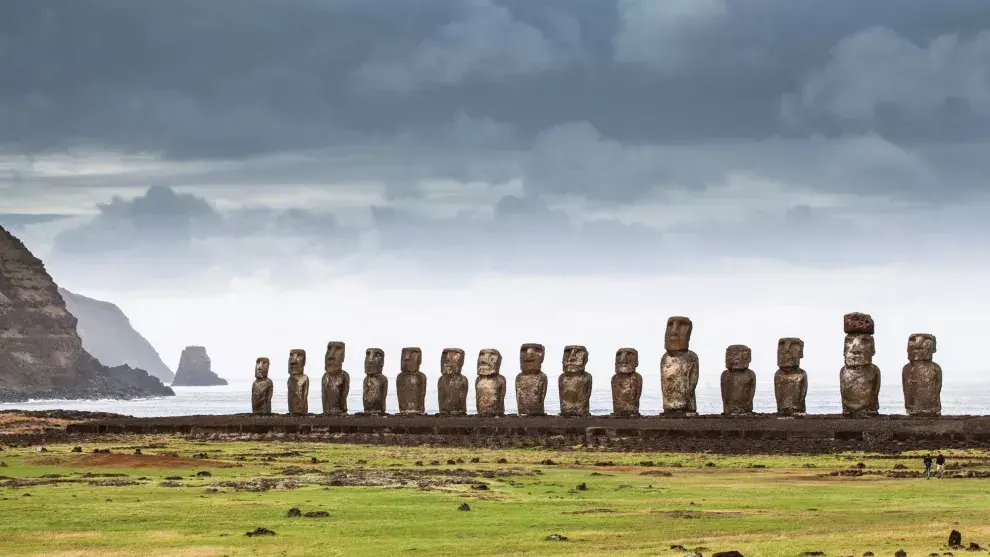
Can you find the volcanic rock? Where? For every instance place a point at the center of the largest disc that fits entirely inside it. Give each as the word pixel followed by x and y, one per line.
pixel 107 334
pixel 194 369
pixel 41 353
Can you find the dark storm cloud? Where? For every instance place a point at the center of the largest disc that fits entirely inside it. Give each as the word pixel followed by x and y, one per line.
pixel 232 78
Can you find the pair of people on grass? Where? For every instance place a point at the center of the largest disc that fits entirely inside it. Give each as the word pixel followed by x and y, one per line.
pixel 939 463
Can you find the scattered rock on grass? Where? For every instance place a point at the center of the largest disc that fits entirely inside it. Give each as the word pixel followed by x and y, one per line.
pixel 294 512
pixel 503 461
pixel 74 449
pixel 317 514
pixel 464 507
pixel 556 538
pixel 900 553
pixel 955 538
pixel 727 554
pixel 582 486
pixel 203 474
pixel 259 532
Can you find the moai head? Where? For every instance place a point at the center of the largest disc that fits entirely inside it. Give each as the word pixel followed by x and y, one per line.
pixel 738 357
pixel 334 360
pixel 678 334
pixel 489 361
pixel 531 357
pixel 451 361
pixel 921 347
pixel 626 360
pixel 789 352
pixel 859 350
pixel 297 361
pixel 374 361
pixel 411 358
pixel 575 358
pixel 261 368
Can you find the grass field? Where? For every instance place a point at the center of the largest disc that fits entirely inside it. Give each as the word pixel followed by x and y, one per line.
pixel 182 498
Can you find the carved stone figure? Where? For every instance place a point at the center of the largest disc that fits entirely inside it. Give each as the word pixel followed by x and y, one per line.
pixel 298 382
pixel 859 379
pixel 336 381
pixel 262 388
pixel 922 378
pixel 574 384
pixel 678 368
pixel 790 383
pixel 452 389
pixel 410 385
pixel 489 387
pixel 531 383
pixel 375 382
pixel 627 384
pixel 738 381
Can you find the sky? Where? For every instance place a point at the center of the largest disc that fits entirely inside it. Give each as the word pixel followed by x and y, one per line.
pixel 261 175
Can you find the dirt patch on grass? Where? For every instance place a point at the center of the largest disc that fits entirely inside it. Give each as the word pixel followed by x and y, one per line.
pixel 702 514
pixel 143 461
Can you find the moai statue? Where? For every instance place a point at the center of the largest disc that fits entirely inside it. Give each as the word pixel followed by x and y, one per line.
pixel 678 368
pixel 489 387
pixel 738 381
pixel 859 379
pixel 261 390
pixel 452 389
pixel 531 383
pixel 790 383
pixel 627 384
pixel 298 382
pixel 410 385
pixel 336 381
pixel 375 382
pixel 922 378
pixel 574 384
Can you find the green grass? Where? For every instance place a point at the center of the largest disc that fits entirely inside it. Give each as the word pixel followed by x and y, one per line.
pixel 783 509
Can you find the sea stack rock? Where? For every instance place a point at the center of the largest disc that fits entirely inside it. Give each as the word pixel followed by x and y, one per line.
pixel 790 383
pixel 194 369
pixel 738 381
pixel 859 378
pixel 922 377
pixel 41 353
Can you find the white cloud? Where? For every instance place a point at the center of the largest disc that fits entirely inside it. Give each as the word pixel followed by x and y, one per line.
pixel 658 34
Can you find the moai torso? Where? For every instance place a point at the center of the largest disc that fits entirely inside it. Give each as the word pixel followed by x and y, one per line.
pixel 489 387
pixel 375 385
pixel 262 389
pixel 790 382
pixel 410 385
pixel 859 379
pixel 738 381
pixel 922 377
pixel 627 384
pixel 336 382
pixel 574 384
pixel 452 388
pixel 531 383
pixel 679 368
pixel 298 385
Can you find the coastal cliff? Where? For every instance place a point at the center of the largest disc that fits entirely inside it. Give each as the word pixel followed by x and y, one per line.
pixel 41 352
pixel 195 369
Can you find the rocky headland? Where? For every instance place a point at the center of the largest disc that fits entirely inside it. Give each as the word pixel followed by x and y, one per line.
pixel 195 369
pixel 107 335
pixel 41 352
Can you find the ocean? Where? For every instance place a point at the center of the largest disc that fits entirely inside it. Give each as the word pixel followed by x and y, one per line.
pixel 957 399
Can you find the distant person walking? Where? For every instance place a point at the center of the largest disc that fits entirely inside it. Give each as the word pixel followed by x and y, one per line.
pixel 928 466
pixel 939 464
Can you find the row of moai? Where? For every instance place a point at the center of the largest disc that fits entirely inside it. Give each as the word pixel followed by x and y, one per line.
pixel 679 370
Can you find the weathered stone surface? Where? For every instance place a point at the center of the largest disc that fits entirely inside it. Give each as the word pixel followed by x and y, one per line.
pixel 489 387
pixel 298 384
pixel 531 383
pixel 262 388
pixel 108 336
pixel 922 377
pixel 574 384
pixel 738 381
pixel 452 388
pixel 336 383
pixel 679 368
pixel 41 353
pixel 375 382
pixel 195 369
pixel 859 379
pixel 627 384
pixel 410 385
pixel 790 382
pixel 857 324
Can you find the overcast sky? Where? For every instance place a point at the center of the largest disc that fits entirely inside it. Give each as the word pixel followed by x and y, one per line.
pixel 259 175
